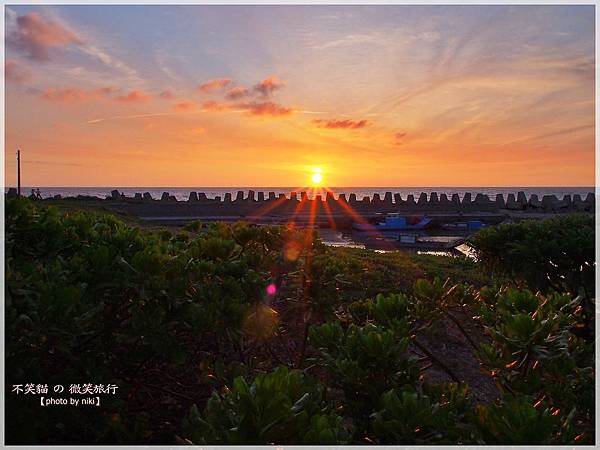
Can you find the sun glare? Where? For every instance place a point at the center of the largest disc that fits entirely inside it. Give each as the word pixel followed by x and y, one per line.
pixel 317 178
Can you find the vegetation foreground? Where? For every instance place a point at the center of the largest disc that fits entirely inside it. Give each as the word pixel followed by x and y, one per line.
pixel 257 335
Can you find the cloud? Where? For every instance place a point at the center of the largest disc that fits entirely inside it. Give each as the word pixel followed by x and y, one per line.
pixel 184 106
pixel 67 95
pixel 269 85
pixel 213 106
pixel 166 94
pixel 346 124
pixel 252 108
pixel 35 36
pixel 15 72
pixel 399 137
pixel 237 93
pixel 133 97
pixel 265 109
pixel 215 84
pixel 106 91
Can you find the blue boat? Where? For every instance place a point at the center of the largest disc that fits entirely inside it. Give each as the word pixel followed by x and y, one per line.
pixel 394 222
pixel 469 225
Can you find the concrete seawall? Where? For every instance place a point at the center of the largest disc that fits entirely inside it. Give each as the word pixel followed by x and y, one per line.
pixel 251 200
pixel 253 204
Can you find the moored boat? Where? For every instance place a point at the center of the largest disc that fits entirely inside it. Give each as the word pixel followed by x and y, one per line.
pixel 395 222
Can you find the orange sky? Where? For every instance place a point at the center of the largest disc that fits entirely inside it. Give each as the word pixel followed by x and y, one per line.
pixel 375 96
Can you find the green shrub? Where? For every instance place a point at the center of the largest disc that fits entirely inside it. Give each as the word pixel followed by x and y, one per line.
pixel 281 406
pixel 556 253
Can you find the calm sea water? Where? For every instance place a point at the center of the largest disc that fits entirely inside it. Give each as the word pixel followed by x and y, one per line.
pixel 182 193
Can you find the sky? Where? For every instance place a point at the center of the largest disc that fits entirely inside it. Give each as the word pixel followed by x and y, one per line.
pixel 262 95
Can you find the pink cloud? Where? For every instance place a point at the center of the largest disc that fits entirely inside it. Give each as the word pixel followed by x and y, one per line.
pixel 214 106
pixel 214 85
pixel 67 95
pixel 341 124
pixel 237 93
pixel 105 91
pixel 35 36
pixel 15 72
pixel 265 109
pixel 184 106
pixel 269 85
pixel 133 97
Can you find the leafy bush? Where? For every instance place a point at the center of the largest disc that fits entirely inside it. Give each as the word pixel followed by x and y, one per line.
pixel 89 298
pixel 281 406
pixel 435 416
pixel 363 362
pixel 182 319
pixel 556 253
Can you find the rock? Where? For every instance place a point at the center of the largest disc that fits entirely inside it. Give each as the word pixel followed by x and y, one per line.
pixel 261 196
pixel 512 204
pixel 115 195
pixel 433 199
pixel 12 192
pixel 342 198
pixel 500 203
pixel 218 198
pixel 227 197
pixel 138 196
pixel 550 202
pixel 193 197
pixel 250 196
pixel 466 200
pixel 534 201
pixel 352 200
pixel 147 196
pixel 455 199
pixel 303 196
pixel 282 197
pixel 271 195
pixel 172 198
pixel 202 197
pixel 590 200
pixel 387 198
pixel 521 198
pixel 366 200
pixel 398 199
pixel 329 197
pixel 57 197
pixel 422 199
pixel 164 197
pixel 566 202
pixel 410 201
pixel 239 196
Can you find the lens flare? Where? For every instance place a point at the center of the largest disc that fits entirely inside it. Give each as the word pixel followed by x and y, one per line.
pixel 271 289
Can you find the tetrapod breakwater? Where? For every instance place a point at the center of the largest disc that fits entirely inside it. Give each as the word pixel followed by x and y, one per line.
pixel 329 209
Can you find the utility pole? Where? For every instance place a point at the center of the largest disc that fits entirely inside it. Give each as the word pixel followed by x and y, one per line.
pixel 18 173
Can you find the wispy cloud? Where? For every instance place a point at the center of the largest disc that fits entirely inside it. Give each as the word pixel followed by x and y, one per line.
pixel 269 85
pixel 134 96
pixel 213 85
pixel 36 36
pixel 237 93
pixel 346 124
pixel 184 106
pixel 265 109
pixel 15 72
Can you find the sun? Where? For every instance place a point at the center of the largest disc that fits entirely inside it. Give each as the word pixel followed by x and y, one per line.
pixel 317 178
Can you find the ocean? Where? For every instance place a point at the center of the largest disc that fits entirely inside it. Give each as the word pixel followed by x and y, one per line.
pixel 182 193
